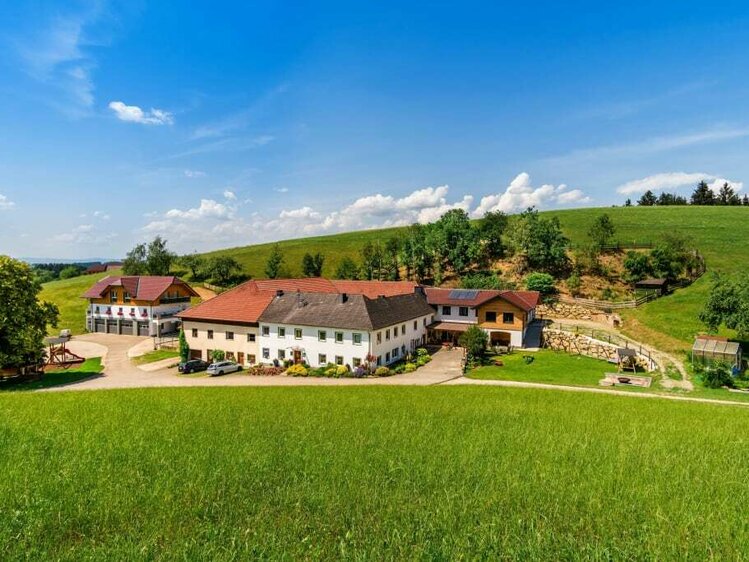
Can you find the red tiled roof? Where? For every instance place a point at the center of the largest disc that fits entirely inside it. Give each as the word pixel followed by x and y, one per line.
pixel 244 303
pixel 145 287
pixel 374 289
pixel 525 300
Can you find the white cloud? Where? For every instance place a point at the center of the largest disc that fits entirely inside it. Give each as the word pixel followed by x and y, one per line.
pixel 85 234
pixel 672 181
pixel 651 145
pixel 281 189
pixel 134 114
pixel 101 215
pixel 58 54
pixel 208 209
pixel 230 195
pixel 301 213
pixel 520 194
pixel 5 203
pixel 194 174
pixel 427 197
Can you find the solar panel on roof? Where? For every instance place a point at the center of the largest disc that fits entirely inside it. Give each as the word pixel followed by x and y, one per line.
pixel 463 294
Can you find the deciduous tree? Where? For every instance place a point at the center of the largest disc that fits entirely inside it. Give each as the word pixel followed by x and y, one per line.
pixel 275 263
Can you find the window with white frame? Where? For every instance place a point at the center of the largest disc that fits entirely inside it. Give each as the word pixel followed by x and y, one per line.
pixel 356 361
pixel 266 353
pixel 297 333
pixel 446 311
pixel 281 332
pixel 322 335
pixel 356 338
pixel 463 311
pixel 265 330
pixel 250 337
pixel 387 334
pixel 229 335
pixel 339 337
pixel 339 359
pixel 282 354
pixel 322 359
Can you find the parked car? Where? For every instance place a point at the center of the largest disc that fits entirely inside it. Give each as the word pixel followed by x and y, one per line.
pixel 192 366
pixel 223 367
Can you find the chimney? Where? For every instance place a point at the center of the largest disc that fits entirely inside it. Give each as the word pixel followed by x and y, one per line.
pixel 279 292
pixel 342 298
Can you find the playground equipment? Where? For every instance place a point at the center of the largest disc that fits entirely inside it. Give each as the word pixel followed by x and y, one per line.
pixel 58 354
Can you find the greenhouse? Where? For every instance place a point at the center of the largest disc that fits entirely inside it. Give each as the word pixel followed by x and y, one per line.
pixel 710 349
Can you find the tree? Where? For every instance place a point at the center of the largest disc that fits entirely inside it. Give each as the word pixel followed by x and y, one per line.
pixel 70 271
pixel 538 242
pixel 159 259
pixel 728 305
pixel 347 269
pixel 23 317
pixel 541 282
pixel 745 201
pixel 474 340
pixel 194 263
pixel 703 195
pixel 485 280
pixel 666 199
pixel 454 242
pixel 135 261
pixel 671 257
pixel 222 269
pixel 717 375
pixel 391 265
pixel 415 254
pixel 491 230
pixel 312 265
pixel 372 257
pixel 727 196
pixel 275 262
pixel 637 266
pixel 628 202
pixel 184 349
pixel 647 199
pixel 602 231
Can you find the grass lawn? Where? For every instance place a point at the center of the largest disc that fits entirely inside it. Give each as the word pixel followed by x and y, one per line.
pixel 66 294
pixel 369 473
pixel 89 368
pixel 547 367
pixel 157 355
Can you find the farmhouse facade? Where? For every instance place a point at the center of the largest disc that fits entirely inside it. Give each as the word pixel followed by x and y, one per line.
pixel 320 321
pixel 137 305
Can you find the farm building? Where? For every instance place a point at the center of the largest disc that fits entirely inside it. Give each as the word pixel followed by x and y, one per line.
pixel 659 286
pixel 712 349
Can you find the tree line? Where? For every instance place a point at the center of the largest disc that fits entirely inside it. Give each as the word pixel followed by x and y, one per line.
pixel 702 195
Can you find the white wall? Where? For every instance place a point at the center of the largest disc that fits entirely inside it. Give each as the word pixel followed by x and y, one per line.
pixel 311 346
pixel 454 315
pixel 398 340
pixel 516 336
pixel 219 342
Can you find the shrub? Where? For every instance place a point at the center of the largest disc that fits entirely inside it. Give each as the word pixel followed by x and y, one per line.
pixel 359 372
pixel 573 284
pixel 409 367
pixel 297 371
pixel 399 368
pixel 717 375
pixel 382 372
pixel 421 352
pixel 341 371
pixel 218 355
pixel 541 282
pixel 475 340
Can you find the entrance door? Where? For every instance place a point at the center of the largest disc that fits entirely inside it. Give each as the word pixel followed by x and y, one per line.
pixel 240 357
pixel 297 356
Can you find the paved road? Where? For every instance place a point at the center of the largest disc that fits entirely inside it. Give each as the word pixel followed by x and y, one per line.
pixel 119 371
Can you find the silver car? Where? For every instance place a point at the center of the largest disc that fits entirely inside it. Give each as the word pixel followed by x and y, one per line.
pixel 222 367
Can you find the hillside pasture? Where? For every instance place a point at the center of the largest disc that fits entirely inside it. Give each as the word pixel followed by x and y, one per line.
pixel 369 473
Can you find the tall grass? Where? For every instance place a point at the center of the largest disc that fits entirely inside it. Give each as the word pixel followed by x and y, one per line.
pixel 369 473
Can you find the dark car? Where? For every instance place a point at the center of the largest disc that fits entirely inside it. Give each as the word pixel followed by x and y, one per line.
pixel 192 366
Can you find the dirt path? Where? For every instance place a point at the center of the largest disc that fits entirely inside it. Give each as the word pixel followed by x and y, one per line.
pixel 563 388
pixel 661 357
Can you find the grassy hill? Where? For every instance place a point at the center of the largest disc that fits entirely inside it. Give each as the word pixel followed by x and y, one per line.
pixel 369 473
pixel 66 294
pixel 670 323
pixel 719 233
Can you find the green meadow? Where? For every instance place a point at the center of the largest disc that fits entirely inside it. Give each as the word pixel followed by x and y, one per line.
pixel 441 473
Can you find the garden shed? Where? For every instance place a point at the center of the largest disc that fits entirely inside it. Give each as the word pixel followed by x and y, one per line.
pixel 711 349
pixel 659 286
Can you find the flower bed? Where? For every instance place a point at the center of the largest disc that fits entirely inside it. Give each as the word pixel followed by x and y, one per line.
pixel 264 371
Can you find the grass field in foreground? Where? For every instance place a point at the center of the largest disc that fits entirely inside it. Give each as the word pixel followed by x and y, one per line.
pixel 369 473
pixel 547 367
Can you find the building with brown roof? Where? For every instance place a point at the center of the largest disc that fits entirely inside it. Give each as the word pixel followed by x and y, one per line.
pixel 137 305
pixel 322 321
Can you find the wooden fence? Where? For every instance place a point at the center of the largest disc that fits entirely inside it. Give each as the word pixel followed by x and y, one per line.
pixel 215 288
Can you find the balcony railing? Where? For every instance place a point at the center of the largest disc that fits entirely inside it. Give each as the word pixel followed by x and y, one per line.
pixel 173 300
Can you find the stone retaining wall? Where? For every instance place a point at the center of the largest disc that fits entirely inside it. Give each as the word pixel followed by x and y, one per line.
pixel 566 310
pixel 580 344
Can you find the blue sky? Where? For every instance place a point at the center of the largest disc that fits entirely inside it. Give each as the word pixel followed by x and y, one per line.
pixel 225 125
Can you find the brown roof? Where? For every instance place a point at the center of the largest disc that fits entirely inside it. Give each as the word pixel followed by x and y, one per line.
pixel 525 300
pixel 357 312
pixel 144 287
pixel 450 326
pixel 374 289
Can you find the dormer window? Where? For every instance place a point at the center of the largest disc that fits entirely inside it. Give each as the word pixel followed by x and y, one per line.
pixel 113 296
pixel 126 296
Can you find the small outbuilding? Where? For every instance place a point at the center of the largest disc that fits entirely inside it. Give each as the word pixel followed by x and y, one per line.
pixel 710 349
pixel 659 286
pixel 626 358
